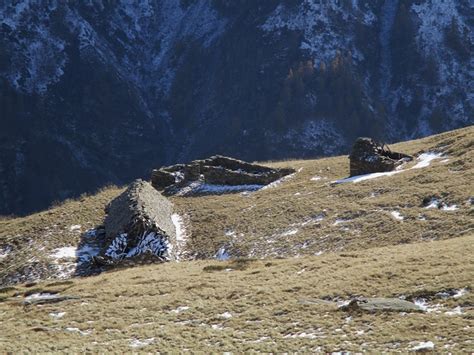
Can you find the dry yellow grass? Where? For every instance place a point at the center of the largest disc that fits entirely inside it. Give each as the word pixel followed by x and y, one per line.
pixel 259 305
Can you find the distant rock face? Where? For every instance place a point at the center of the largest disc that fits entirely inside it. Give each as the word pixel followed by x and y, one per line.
pixel 138 226
pixel 216 170
pixel 368 156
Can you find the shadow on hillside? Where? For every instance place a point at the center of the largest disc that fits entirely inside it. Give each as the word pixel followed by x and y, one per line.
pixel 91 244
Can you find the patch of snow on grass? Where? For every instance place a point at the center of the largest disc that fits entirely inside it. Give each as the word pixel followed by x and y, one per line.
pixel 455 311
pixel 302 335
pixel 359 178
pixel 180 309
pixel 75 227
pixel 65 252
pixel 229 233
pixel 425 159
pixel 57 315
pixel 225 315
pixel 425 306
pixel 450 208
pixel 461 292
pixel 279 182
pixel 397 215
pixel 77 330
pixel 181 236
pixel 137 343
pixel 423 346
pixel 340 221
pixel 289 232
pixel 41 296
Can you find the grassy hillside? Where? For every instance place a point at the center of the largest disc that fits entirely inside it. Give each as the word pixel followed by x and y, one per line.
pixel 296 248
pixel 308 215
pixel 266 305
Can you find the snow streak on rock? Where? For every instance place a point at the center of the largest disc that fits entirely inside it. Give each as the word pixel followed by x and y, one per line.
pixel 151 242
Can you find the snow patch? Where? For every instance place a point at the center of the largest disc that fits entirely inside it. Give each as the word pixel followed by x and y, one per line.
pixel 397 215
pixel 225 315
pixel 75 227
pixel 340 221
pixel 57 315
pixel 455 311
pixel 450 208
pixel 289 232
pixel 77 330
pixel 423 346
pixel 202 188
pixel 65 252
pixel 461 292
pixel 140 343
pixel 181 236
pixel 41 296
pixel 180 309
pixel 425 159
pixel 279 181
pixel 83 254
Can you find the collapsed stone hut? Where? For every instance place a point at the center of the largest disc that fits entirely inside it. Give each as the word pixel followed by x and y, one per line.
pixel 369 156
pixel 138 226
pixel 216 170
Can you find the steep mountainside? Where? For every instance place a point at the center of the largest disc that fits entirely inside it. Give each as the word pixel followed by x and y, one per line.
pixel 95 91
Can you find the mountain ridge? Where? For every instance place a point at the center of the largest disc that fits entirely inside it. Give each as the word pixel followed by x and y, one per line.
pixel 110 90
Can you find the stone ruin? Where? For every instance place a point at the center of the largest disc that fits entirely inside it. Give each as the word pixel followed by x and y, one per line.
pixel 216 170
pixel 138 223
pixel 368 156
pixel 138 227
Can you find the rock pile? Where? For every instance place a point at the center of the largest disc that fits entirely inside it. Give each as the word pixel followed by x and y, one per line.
pixel 216 170
pixel 369 156
pixel 138 226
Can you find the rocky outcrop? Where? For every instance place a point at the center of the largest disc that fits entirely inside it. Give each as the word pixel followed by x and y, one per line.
pixel 369 156
pixel 138 226
pixel 216 170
